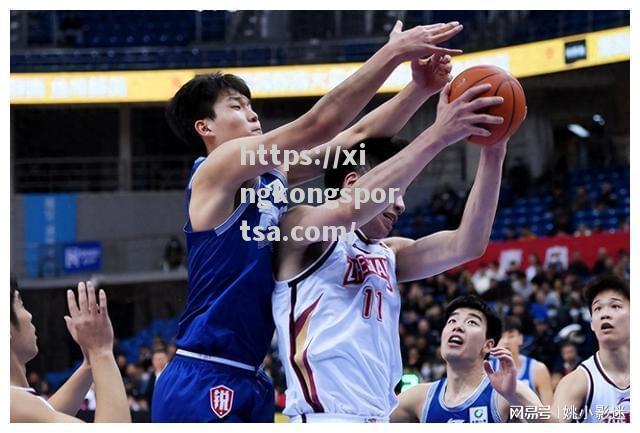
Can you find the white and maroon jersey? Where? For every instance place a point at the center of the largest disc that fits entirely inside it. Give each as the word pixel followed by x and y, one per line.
pixel 605 401
pixel 338 337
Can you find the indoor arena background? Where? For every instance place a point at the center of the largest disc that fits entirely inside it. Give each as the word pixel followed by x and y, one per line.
pixel 97 177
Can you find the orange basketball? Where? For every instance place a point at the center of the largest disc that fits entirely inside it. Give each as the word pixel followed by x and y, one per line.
pixel 512 110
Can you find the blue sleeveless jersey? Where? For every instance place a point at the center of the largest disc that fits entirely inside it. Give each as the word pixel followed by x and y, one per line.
pixel 230 281
pixel 525 374
pixel 479 407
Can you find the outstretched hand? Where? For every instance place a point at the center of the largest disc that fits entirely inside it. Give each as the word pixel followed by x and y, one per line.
pixel 422 41
pixel 88 321
pixel 504 380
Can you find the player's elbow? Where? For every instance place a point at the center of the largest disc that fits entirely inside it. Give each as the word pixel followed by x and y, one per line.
pixel 468 247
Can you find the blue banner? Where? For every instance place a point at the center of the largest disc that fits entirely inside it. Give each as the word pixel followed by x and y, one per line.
pixel 49 222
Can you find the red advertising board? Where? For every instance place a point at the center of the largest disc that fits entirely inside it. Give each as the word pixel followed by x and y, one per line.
pixel 558 247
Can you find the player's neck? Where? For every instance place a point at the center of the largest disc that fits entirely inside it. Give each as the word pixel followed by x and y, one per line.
pixel 463 379
pixel 18 375
pixel 615 361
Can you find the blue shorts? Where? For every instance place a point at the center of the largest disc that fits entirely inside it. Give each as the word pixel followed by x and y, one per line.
pixel 194 390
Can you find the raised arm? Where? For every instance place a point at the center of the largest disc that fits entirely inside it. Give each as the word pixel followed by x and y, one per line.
pixel 68 398
pixel 441 251
pixel 222 174
pixel 94 333
pixel 454 121
pixel 428 77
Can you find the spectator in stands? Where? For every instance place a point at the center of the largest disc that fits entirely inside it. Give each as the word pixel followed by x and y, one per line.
pixel 600 265
pixel 89 325
pixel 568 361
pixel 159 360
pixel 624 224
pixel 533 267
pixel 622 268
pixel 446 201
pixel 607 198
pixel 526 234
pixel 481 278
pixel 543 347
pixel 509 234
pixel 582 201
pixel 173 255
pixel 582 230
pixel 519 177
pixel 519 310
pixel 578 266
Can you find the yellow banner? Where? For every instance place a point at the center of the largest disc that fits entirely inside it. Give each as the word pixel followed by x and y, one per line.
pixel 537 58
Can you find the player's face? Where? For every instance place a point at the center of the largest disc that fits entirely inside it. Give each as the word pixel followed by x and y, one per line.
pixel 381 226
pixel 464 336
pixel 610 318
pixel 234 117
pixel 23 337
pixel 511 340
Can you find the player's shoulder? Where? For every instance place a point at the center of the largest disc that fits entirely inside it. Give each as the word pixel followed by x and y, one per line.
pixel 26 407
pixel 539 367
pixel 575 382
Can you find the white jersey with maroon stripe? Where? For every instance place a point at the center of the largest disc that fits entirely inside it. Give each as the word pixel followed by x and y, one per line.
pixel 605 402
pixel 338 337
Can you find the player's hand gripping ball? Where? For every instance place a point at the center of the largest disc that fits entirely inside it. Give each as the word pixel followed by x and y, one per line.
pixel 513 110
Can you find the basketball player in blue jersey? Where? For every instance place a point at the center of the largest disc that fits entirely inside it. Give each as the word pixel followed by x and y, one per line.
pixel 534 373
pixel 599 389
pixel 226 328
pixel 471 391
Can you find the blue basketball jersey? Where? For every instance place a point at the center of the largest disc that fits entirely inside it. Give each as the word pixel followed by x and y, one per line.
pixel 230 280
pixel 480 407
pixel 525 374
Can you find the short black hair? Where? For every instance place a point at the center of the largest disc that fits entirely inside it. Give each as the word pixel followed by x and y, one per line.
pixel 376 151
pixel 14 288
pixel 512 323
pixel 603 283
pixel 494 323
pixel 194 101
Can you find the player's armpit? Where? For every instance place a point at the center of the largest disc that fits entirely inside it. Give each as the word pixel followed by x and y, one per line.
pixel 570 394
pixel 29 408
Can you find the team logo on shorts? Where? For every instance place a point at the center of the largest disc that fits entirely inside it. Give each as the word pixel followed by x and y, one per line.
pixel 221 399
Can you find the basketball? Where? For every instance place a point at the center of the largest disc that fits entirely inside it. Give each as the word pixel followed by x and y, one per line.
pixel 512 110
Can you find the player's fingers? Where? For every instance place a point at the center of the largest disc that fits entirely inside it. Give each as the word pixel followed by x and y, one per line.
pixel 445 35
pixel 433 26
pixel 82 297
pixel 474 91
pixel 484 102
pixel 444 94
pixel 91 298
pixel 486 118
pixel 71 303
pixel 445 59
pixel 103 302
pixel 487 367
pixel 445 28
pixel 476 130
pixel 397 28
pixel 449 51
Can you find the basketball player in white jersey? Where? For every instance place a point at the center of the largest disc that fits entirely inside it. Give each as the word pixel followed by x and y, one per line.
pixel 598 390
pixel 90 327
pixel 534 373
pixel 336 304
pixel 472 390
